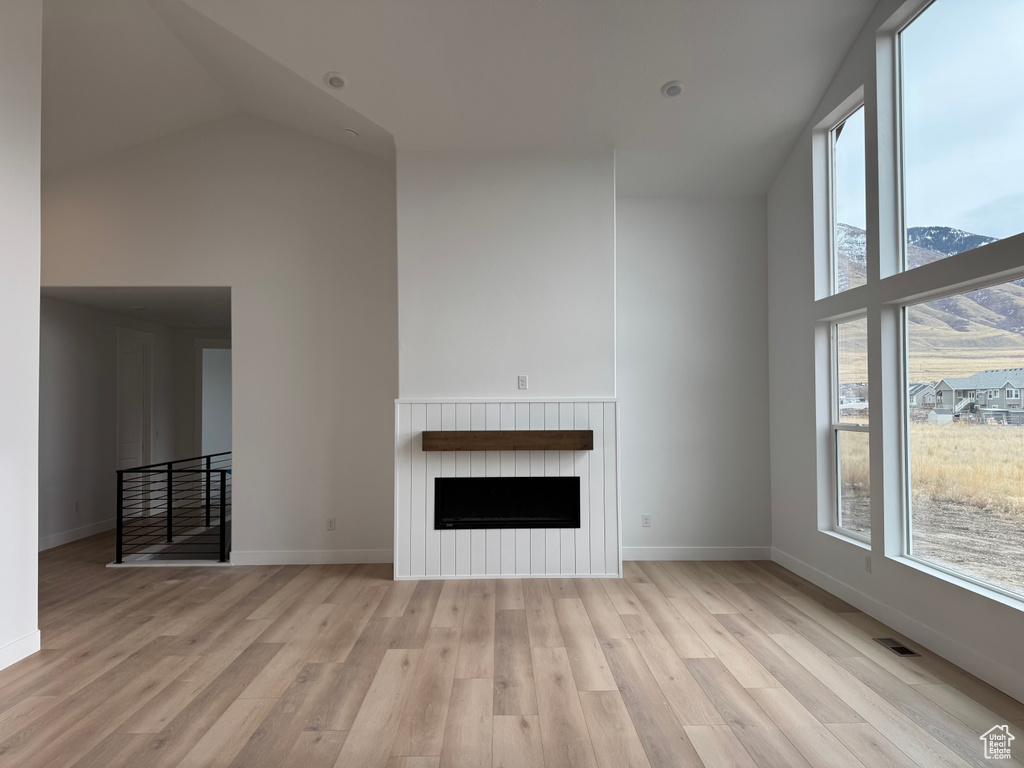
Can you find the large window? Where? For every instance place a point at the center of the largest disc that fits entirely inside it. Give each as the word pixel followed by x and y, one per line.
pixel 963 118
pixel 847 202
pixel 945 163
pixel 850 427
pixel 966 457
pixel 962 65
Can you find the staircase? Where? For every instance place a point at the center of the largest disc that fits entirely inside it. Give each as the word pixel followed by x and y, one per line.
pixel 178 511
pixel 966 402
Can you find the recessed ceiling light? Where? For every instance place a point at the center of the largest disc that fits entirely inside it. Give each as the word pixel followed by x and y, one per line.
pixel 671 88
pixel 334 80
pixel 351 133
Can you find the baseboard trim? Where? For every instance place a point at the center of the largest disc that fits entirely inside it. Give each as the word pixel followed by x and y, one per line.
pixel 19 649
pixel 453 577
pixel 991 671
pixel 696 553
pixel 312 557
pixel 66 537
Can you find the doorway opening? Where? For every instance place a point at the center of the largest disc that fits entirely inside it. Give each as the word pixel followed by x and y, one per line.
pixel 133 381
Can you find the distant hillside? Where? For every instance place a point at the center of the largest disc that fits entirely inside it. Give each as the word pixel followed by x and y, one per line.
pixel 956 336
pixel 944 240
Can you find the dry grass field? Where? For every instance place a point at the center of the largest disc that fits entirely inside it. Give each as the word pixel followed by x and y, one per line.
pixel 982 466
pixel 926 364
pixel 940 345
pixel 976 465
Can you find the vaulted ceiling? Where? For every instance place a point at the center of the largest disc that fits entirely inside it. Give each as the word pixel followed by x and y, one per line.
pixel 479 75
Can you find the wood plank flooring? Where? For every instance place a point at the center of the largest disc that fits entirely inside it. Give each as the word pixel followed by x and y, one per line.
pixel 677 664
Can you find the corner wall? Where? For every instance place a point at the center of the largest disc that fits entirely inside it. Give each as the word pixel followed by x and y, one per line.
pixel 303 231
pixel 21 36
pixel 693 378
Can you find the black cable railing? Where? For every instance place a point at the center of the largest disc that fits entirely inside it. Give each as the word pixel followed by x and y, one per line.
pixel 177 509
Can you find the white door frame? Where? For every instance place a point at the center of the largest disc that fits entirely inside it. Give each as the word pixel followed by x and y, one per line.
pixel 148 340
pixel 200 345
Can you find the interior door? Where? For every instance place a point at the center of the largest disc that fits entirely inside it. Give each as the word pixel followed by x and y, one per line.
pixel 134 397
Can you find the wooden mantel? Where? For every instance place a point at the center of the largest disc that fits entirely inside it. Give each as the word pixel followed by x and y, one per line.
pixel 509 440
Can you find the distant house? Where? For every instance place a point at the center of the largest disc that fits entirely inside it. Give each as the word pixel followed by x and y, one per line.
pixel 1000 388
pixel 921 395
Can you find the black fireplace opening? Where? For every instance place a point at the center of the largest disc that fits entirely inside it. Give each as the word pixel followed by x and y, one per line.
pixel 506 502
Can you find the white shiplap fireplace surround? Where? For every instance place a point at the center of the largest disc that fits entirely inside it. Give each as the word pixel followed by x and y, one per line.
pixel 593 549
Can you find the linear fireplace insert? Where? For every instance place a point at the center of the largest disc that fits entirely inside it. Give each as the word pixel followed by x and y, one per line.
pixel 506 502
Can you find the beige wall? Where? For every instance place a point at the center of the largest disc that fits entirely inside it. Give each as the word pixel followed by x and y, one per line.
pixel 303 231
pixel 78 417
pixel 693 378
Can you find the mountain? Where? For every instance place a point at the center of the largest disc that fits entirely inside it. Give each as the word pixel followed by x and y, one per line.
pixel 852 247
pixel 954 336
pixel 945 240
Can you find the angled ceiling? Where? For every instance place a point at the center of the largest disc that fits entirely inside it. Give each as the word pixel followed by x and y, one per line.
pixel 514 76
pixel 117 73
pixel 114 76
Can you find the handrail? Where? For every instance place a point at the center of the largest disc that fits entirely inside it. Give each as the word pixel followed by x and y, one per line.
pixel 176 461
pixel 189 494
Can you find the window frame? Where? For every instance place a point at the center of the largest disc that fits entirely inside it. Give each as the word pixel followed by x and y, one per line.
pixel 889 289
pixel 855 102
pixel 837 425
pixel 911 12
pixel 905 552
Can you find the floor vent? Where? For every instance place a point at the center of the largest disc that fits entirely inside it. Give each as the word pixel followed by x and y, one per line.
pixel 896 646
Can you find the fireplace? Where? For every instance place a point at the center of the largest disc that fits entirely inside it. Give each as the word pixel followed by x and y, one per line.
pixel 506 502
pixel 570 446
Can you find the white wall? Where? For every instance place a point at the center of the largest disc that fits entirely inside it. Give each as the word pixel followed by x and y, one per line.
pixel 78 417
pixel 980 633
pixel 303 231
pixel 693 378
pixel 506 267
pixel 20 61
pixel 216 407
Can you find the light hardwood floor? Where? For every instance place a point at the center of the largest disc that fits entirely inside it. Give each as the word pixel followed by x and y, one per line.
pixel 677 664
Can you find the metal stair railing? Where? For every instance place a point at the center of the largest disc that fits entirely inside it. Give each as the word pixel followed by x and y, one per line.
pixel 175 508
pixel 963 404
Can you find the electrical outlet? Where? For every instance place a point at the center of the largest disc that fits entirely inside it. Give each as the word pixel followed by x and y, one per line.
pixel 524 382
pixel 867 563
pixel 645 520
pixel 331 523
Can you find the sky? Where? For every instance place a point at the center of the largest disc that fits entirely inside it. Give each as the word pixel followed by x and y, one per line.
pixel 849 154
pixel 963 111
